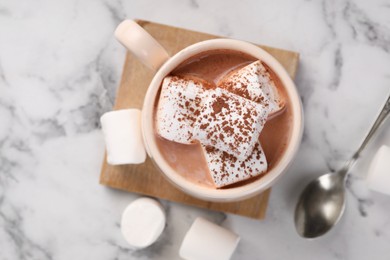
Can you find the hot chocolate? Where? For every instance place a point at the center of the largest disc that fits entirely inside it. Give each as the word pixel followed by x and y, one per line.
pixel 237 145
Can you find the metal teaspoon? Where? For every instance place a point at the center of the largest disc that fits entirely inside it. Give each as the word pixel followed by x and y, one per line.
pixel 322 202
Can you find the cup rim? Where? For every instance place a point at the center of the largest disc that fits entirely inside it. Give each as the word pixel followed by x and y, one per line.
pixel 236 193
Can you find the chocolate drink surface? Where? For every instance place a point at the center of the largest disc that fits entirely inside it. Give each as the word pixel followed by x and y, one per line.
pixel 188 159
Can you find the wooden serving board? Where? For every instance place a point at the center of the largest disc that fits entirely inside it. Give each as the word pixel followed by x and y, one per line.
pixel 145 178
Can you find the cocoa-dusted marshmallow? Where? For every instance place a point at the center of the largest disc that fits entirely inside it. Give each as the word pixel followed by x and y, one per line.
pixel 178 107
pixel 229 123
pixel 225 169
pixel 254 82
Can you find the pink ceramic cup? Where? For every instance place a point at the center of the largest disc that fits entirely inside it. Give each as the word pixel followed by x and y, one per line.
pixel 153 55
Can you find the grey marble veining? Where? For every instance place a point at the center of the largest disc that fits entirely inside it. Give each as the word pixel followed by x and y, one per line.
pixel 59 70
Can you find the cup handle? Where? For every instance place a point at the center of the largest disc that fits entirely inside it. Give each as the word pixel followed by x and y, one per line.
pixel 131 35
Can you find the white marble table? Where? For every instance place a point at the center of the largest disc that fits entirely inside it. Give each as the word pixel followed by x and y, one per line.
pixel 60 67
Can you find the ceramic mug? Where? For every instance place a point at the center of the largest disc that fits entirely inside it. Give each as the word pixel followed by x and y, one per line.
pixel 153 55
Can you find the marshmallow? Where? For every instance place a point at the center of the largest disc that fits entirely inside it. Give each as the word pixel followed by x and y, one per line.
pixel 208 241
pixel 178 107
pixel 123 137
pixel 254 82
pixel 230 123
pixel 142 222
pixel 378 177
pixel 225 169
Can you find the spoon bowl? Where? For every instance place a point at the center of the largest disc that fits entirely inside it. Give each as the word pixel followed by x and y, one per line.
pixel 320 205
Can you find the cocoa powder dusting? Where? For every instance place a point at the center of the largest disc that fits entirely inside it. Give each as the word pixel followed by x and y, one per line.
pixel 245 127
pixel 218 105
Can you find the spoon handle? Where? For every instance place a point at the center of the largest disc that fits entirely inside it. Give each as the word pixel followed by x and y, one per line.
pixel 378 122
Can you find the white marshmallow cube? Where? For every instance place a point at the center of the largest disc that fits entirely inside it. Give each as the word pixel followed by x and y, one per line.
pixel 254 82
pixel 178 107
pixel 378 177
pixel 142 222
pixel 123 137
pixel 208 241
pixel 230 123
pixel 225 169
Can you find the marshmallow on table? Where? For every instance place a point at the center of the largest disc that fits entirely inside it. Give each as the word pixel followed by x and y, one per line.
pixel 379 172
pixel 178 107
pixel 254 82
pixel 225 169
pixel 208 241
pixel 142 222
pixel 123 137
pixel 230 123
